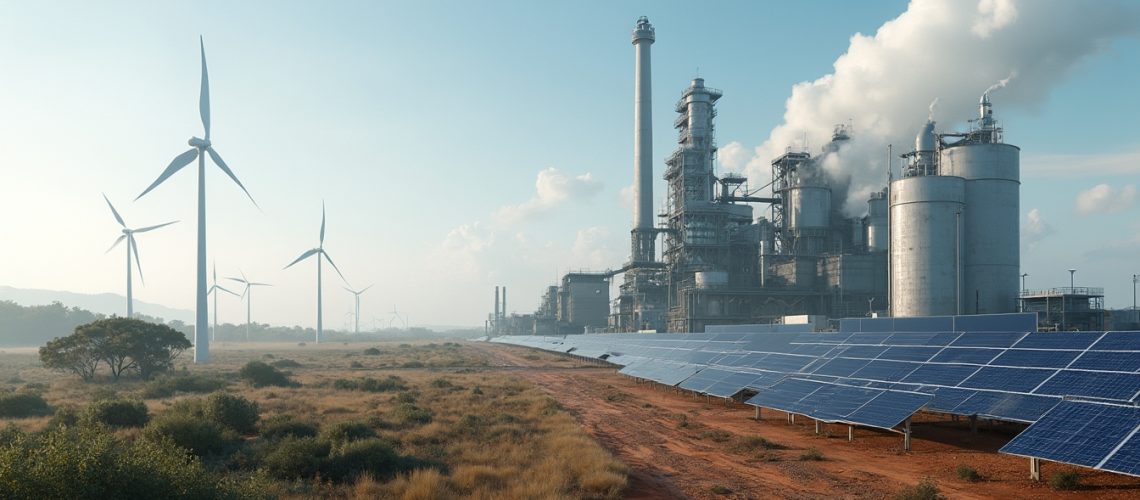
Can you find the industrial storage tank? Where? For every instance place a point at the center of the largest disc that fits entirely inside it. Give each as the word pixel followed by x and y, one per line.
pixel 925 244
pixel 877 222
pixel 991 256
pixel 808 211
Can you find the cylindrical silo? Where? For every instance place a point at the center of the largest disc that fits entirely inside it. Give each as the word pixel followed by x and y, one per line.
pixel 808 216
pixel 877 222
pixel 991 256
pixel 926 215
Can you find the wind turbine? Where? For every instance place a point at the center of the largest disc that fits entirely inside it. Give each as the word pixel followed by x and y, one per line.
pixel 214 289
pixel 396 316
pixel 132 247
pixel 321 254
pixel 199 148
pixel 356 295
pixel 247 294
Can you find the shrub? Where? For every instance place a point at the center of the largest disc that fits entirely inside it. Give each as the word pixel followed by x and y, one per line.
pixel 1065 480
pixel 282 426
pixel 411 414
pixel 259 374
pixel 170 385
pixel 356 364
pixel 412 364
pixel 718 436
pixel 343 432
pixel 22 405
pixel 90 462
pixel 968 473
pixel 197 435
pixel 371 456
pixel 442 383
pixel 406 397
pixel 812 454
pixel 720 490
pixel 294 458
pixel 233 411
pixel 752 443
pixel 924 490
pixel 285 363
pixel 116 413
pixel 67 416
pixel 386 384
pixel 372 351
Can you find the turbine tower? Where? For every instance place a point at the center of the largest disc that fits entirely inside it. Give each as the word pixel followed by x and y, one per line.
pixel 356 295
pixel 199 148
pixel 214 289
pixel 132 247
pixel 247 294
pixel 321 254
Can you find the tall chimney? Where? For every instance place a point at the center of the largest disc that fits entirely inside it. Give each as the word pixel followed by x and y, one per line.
pixel 504 301
pixel 643 234
pixel 496 316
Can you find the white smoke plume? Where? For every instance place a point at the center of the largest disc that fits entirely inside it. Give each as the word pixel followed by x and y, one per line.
pixel 933 106
pixel 1001 83
pixel 950 49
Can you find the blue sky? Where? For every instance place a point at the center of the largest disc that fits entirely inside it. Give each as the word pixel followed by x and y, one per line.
pixel 430 130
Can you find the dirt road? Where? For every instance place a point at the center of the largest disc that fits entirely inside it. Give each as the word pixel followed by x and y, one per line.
pixel 678 445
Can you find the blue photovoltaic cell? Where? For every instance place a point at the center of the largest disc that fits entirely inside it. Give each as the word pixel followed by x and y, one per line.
pixel 1118 341
pixel 1076 433
pixel 950 375
pixel 765 380
pixel 889 409
pixel 910 353
pixel 872 338
pixel 947 398
pixel 784 363
pixel 1035 358
pixel 841 367
pixel 1126 460
pixel 911 338
pixel 1007 379
pixel 966 355
pixel 1059 340
pixel 1020 407
pixel 892 371
pixel 785 395
pixel 1123 386
pixel 863 351
pixel 1109 361
pixel 988 339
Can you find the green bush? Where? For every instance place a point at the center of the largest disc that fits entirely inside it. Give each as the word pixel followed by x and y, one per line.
pixel 233 411
pixel 89 462
pixel 259 374
pixel 752 443
pixel 170 385
pixel 411 414
pixel 282 426
pixel 812 454
pixel 296 458
pixel 22 405
pixel 199 436
pixel 968 473
pixel 372 351
pixel 67 416
pixel 343 432
pixel 285 363
pixel 924 490
pixel 720 490
pixel 371 456
pixel 1065 480
pixel 386 384
pixel 116 413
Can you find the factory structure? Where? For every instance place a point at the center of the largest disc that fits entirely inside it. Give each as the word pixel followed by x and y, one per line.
pixel 940 239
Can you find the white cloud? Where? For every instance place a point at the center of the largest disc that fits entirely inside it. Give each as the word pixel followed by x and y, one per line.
pixel 1036 228
pixel 733 157
pixel 627 196
pixel 595 248
pixel 553 188
pixel 1106 199
pixel 992 16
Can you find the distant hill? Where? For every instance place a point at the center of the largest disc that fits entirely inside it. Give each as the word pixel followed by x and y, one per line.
pixel 101 303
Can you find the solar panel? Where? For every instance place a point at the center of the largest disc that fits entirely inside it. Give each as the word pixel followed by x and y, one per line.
pixel 841 367
pixel 1122 386
pixel 947 398
pixel 988 339
pixel 1080 433
pixel 1118 341
pixel 1059 340
pixel 863 351
pixel 1006 406
pixel 940 374
pixel 889 409
pixel 1007 379
pixel 910 353
pixel 966 355
pixel 1036 358
pixel 1126 460
pixel 892 371
pixel 1110 361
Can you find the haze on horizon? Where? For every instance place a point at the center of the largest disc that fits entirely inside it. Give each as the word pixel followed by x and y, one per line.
pixel 460 146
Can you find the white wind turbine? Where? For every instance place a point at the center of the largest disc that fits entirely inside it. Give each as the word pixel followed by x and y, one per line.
pixel 198 150
pixel 132 248
pixel 321 254
pixel 356 295
pixel 247 294
pixel 214 289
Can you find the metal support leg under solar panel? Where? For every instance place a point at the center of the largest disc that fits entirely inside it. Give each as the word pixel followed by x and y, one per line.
pixel 817 427
pixel 850 433
pixel 758 413
pixel 906 435
pixel 1035 469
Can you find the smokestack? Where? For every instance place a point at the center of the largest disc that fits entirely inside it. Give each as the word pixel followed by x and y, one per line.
pixel 496 316
pixel 504 301
pixel 643 235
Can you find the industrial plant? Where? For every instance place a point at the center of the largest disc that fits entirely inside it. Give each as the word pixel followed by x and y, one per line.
pixel 941 237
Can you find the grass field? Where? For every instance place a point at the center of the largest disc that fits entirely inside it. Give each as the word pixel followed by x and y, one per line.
pixel 467 429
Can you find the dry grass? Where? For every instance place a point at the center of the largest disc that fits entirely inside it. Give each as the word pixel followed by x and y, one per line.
pixel 492 434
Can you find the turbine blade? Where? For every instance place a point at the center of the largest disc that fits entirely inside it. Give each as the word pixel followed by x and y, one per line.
pixel 326 254
pixel 223 289
pixel 322 223
pixel 260 284
pixel 114 212
pixel 151 228
pixel 225 168
pixel 179 161
pixel 303 257
pixel 239 280
pixel 349 290
pixel 204 97
pixel 367 287
pixel 116 243
pixel 135 248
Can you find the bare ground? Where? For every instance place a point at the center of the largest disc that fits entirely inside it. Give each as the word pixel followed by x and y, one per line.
pixel 678 445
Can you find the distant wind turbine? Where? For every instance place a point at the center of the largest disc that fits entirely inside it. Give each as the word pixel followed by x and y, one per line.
pixel 321 254
pixel 247 294
pixel 198 150
pixel 132 248
pixel 396 316
pixel 356 295
pixel 214 289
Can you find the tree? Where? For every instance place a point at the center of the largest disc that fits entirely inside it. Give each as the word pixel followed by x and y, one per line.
pixel 72 353
pixel 124 344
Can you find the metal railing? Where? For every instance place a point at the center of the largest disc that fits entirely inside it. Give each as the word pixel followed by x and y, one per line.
pixel 1064 290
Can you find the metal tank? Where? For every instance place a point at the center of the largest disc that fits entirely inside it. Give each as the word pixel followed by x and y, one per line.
pixel 925 244
pixel 807 210
pixel 991 259
pixel 877 222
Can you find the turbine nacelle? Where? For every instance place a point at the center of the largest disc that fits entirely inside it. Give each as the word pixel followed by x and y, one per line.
pixel 195 142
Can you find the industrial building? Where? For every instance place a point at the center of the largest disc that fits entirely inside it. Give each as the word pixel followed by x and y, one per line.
pixel 941 238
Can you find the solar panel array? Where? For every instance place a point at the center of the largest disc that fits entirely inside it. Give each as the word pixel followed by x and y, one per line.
pixel 879 378
pixel 1090 434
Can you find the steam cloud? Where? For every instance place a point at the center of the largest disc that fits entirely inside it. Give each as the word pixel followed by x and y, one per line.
pixel 938 48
